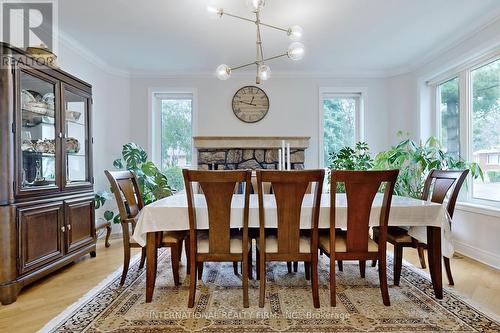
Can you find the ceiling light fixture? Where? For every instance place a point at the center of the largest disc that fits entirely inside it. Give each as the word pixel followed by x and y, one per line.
pixel 295 50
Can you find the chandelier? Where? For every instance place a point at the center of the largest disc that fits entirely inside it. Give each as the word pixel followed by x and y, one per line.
pixel 295 51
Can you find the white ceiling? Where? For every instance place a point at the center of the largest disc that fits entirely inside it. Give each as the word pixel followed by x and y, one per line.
pixel 341 36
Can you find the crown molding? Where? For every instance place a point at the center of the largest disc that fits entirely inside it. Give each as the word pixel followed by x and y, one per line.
pixel 443 47
pixel 275 74
pixel 89 56
pixel 439 49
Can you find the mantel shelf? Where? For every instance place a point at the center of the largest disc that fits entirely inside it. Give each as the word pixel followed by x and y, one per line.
pixel 265 142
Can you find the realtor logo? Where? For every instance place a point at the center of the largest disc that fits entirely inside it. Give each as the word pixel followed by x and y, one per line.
pixel 29 23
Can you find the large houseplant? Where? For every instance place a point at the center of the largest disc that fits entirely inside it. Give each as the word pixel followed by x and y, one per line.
pixel 152 182
pixel 416 160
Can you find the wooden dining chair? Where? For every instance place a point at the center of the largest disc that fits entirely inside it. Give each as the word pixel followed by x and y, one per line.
pixel 437 185
pixel 287 243
pixel 355 243
pixel 129 200
pixel 221 242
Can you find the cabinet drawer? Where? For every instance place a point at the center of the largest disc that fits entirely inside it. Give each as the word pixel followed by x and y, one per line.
pixel 41 235
pixel 79 223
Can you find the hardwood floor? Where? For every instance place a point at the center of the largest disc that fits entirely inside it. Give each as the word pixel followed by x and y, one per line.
pixel 46 298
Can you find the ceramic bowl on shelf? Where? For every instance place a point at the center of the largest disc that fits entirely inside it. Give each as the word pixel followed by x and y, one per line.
pixel 72 146
pixel 73 115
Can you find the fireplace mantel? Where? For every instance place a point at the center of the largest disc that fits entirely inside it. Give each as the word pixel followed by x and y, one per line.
pixel 245 142
pixel 247 152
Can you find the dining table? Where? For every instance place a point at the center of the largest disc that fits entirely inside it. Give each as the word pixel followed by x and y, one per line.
pixel 171 214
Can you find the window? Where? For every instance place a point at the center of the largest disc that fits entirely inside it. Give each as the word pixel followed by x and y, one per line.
pixel 173 139
pixel 340 122
pixel 485 133
pixel 449 100
pixel 493 159
pixel 469 124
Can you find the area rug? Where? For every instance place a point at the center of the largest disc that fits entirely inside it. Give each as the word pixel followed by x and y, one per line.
pixel 288 306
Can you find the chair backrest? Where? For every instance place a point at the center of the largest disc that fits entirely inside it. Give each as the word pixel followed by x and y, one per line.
pixel 439 182
pixel 289 188
pixel 128 197
pixel 267 189
pixel 218 189
pixel 361 188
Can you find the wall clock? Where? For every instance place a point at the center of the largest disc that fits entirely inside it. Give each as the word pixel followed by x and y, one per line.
pixel 250 104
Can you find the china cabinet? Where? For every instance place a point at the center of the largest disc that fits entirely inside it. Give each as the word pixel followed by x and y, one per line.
pixel 46 188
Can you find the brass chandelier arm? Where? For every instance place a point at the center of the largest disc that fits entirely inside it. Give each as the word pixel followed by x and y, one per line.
pixel 255 62
pixel 222 12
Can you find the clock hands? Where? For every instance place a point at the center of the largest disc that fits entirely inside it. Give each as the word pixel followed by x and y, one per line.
pixel 249 103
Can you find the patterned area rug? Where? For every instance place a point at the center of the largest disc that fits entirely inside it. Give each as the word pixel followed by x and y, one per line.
pixel 288 306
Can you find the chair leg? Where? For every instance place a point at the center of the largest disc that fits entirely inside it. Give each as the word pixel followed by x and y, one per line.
pixel 235 267
pixel 262 284
pixel 257 264
pixel 421 256
pixel 126 262
pixel 188 257
pixel 192 283
pixel 333 291
pixel 108 234
pixel 362 268
pixel 374 263
pixel 174 254
pixel 341 266
pixel 382 274
pixel 448 271
pixel 244 273
pixel 200 270
pixel 289 266
pixel 398 262
pixel 250 272
pixel 314 280
pixel 295 266
pixel 143 258
pixel 307 268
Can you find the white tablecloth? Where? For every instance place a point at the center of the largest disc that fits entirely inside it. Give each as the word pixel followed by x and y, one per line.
pixel 171 214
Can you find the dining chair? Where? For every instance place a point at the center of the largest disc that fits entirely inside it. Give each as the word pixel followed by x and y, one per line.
pixel 221 242
pixel 129 200
pixel 288 243
pixel 437 185
pixel 361 188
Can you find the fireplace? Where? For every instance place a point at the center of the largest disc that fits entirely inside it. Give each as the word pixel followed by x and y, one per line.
pixel 231 153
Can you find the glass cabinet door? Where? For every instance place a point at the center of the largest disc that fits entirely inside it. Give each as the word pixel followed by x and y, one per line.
pixel 76 133
pixel 38 160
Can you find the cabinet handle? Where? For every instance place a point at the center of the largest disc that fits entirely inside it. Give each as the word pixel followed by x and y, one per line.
pixel 60 135
pixel 63 229
pixel 69 227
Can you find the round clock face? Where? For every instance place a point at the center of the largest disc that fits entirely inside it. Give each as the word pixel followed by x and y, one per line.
pixel 250 104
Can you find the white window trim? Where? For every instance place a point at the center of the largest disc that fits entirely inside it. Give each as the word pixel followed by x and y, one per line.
pixel 359 121
pixel 463 72
pixel 154 148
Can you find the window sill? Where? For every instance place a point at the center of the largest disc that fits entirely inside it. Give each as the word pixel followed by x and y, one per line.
pixel 478 209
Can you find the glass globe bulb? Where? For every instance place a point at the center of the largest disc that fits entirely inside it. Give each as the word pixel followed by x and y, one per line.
pixel 214 12
pixel 295 33
pixel 223 72
pixel 264 72
pixel 296 51
pixel 255 5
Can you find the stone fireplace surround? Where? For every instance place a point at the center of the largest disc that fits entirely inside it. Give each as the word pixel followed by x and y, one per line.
pixel 235 152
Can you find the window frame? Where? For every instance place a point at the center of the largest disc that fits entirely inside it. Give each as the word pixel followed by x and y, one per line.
pixel 359 121
pixel 464 74
pixel 156 95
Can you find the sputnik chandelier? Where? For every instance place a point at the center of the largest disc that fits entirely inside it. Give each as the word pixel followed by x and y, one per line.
pixel 295 50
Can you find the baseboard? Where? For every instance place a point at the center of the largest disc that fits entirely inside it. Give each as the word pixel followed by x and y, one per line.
pixel 485 257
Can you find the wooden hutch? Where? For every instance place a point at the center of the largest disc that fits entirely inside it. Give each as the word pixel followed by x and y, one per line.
pixel 46 182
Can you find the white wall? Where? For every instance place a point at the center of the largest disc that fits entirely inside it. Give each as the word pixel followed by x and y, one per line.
pixel 409 103
pixel 294 105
